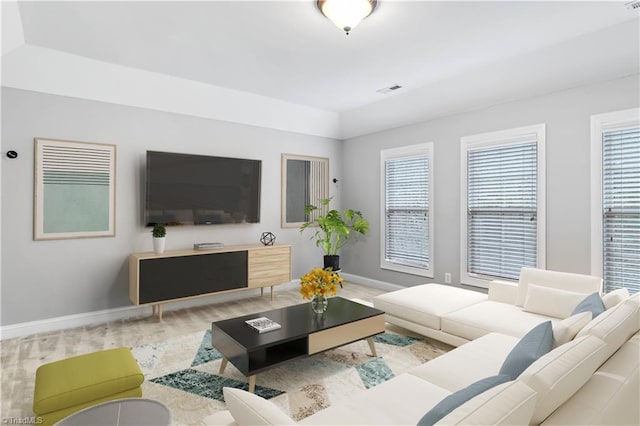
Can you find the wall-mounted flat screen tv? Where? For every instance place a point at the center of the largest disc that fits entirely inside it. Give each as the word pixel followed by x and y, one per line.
pixel 185 189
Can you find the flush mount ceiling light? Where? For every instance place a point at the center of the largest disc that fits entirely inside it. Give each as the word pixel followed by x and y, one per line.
pixel 346 14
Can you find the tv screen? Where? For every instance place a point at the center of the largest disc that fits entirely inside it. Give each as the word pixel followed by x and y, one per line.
pixel 184 189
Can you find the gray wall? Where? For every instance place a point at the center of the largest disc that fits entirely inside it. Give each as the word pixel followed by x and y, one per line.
pixel 567 117
pixel 48 279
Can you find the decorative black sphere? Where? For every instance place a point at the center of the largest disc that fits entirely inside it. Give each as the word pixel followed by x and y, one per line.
pixel 267 238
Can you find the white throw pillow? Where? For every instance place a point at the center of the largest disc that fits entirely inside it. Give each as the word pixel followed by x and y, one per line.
pixel 564 331
pixel 614 297
pixel 551 302
pixel 557 375
pixel 249 409
pixel 616 325
pixel 579 283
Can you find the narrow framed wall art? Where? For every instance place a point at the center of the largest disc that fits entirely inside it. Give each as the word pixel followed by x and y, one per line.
pixel 75 189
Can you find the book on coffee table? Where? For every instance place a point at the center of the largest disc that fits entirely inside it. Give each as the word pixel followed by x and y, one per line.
pixel 263 324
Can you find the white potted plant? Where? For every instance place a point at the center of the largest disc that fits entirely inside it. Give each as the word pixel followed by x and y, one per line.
pixel 159 236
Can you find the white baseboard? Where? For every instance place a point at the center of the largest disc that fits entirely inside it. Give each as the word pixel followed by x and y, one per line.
pixel 380 285
pixel 106 315
pixel 69 321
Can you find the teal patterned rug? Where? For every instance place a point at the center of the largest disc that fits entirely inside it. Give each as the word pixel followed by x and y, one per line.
pixel 189 364
pixel 206 384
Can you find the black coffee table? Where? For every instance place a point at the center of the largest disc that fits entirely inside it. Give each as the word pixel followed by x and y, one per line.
pixel 303 333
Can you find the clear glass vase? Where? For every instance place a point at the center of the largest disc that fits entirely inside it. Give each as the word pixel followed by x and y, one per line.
pixel 319 304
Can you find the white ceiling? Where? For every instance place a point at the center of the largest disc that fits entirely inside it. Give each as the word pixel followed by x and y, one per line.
pixel 288 51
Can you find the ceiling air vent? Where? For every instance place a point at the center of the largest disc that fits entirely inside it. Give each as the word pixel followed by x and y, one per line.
pixel 391 88
pixel 635 4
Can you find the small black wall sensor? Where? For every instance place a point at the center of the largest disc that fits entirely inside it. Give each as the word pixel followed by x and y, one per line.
pixel 12 154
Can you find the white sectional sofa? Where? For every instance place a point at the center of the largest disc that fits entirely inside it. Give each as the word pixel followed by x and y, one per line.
pixel 456 316
pixel 591 379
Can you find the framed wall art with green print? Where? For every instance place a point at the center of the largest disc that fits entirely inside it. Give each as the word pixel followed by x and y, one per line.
pixel 75 189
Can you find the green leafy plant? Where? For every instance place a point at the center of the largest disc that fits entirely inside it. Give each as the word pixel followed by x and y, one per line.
pixel 334 228
pixel 159 231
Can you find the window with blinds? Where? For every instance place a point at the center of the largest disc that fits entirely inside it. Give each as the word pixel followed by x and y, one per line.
pixel 501 210
pixel 407 233
pixel 621 208
pixel 503 219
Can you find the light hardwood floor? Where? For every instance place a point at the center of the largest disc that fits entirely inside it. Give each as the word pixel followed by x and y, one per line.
pixel 20 357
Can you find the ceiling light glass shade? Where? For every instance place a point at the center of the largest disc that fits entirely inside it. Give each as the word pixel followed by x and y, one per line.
pixel 346 14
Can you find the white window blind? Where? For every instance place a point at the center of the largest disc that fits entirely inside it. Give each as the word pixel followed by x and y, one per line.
pixel 502 219
pixel 407 226
pixel 621 208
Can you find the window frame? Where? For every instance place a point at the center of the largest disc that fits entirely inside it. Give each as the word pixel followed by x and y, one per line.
pixel 495 139
pixel 427 149
pixel 599 124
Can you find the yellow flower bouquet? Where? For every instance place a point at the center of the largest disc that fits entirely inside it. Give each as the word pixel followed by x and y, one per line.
pixel 318 284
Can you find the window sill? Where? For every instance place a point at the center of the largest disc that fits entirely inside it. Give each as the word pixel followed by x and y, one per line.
pixel 407 269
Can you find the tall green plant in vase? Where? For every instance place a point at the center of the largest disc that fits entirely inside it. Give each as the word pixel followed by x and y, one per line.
pixel 333 229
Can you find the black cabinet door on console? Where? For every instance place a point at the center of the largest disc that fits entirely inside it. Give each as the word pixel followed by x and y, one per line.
pixel 167 278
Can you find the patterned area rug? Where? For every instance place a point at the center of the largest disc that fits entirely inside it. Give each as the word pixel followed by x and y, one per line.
pixel 183 373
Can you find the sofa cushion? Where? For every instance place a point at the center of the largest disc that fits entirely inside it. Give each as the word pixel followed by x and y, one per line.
pixel 551 302
pixel 592 303
pixel 486 354
pixel 564 331
pixel 616 325
pixel 578 283
pixel 510 403
pixel 532 346
pixel 400 401
pixel 250 409
pixel 610 396
pixel 458 398
pixel 486 317
pixel 614 297
pixel 425 304
pixel 503 291
pixel 557 375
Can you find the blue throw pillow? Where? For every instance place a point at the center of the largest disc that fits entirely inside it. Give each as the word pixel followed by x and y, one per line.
pixel 537 342
pixel 458 398
pixel 592 303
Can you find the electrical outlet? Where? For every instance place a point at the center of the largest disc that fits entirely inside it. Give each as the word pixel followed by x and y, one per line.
pixel 447 278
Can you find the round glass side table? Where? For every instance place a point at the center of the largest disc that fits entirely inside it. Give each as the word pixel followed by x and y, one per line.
pixel 121 412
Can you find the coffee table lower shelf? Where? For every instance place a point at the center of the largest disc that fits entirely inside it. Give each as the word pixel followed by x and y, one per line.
pixel 252 378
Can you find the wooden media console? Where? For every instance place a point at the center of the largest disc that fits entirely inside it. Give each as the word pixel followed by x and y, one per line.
pixel 155 279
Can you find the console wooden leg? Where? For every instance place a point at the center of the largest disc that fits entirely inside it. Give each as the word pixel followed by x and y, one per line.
pixel 252 384
pixel 223 365
pixel 156 311
pixel 372 346
pixel 272 287
pixel 261 291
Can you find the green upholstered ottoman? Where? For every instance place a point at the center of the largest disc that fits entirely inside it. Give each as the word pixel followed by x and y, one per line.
pixel 66 386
